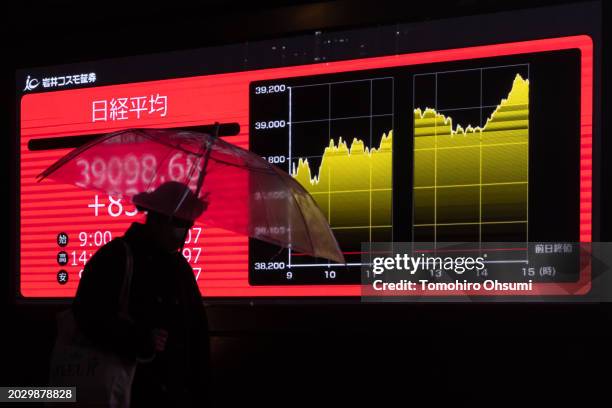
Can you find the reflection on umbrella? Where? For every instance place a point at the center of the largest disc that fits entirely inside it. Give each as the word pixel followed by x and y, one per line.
pixel 244 192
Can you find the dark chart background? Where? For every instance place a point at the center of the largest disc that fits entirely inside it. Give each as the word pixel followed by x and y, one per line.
pixel 367 104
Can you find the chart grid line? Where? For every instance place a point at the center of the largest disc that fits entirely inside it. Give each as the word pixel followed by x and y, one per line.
pixel 430 127
pixel 370 190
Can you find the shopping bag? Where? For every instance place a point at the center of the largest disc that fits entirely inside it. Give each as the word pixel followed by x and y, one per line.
pixel 102 378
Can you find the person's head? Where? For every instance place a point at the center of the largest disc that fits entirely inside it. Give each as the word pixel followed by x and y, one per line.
pixel 168 232
pixel 171 209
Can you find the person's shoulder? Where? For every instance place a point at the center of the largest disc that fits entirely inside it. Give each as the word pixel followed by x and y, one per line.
pixel 182 262
pixel 187 276
pixel 184 266
pixel 115 245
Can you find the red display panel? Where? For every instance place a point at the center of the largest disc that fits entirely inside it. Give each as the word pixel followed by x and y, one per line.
pixel 219 257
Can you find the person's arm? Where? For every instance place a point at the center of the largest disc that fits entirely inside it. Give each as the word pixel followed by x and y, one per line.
pixel 96 305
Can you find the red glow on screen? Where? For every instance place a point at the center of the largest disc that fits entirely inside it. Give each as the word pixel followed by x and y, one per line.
pixel 49 208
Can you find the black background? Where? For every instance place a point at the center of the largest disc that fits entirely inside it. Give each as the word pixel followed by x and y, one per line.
pixel 326 354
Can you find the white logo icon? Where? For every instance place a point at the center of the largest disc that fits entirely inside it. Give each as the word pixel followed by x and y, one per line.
pixel 31 84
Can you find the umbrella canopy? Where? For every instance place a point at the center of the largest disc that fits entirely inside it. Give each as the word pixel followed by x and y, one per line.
pixel 242 192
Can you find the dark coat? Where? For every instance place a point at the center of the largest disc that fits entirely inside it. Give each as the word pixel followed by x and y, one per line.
pixel 164 294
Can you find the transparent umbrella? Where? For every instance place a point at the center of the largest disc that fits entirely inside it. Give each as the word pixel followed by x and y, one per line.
pixel 245 193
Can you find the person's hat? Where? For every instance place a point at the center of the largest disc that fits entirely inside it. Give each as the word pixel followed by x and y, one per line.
pixel 167 197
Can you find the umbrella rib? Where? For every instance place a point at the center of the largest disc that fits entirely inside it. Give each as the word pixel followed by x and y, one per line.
pixel 304 191
pixel 163 142
pixel 300 211
pixel 72 154
pixel 103 138
pixel 267 218
pixel 266 171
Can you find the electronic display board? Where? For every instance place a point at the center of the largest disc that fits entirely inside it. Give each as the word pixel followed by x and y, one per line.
pixel 479 143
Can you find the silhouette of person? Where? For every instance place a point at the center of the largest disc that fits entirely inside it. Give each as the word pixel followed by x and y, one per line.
pixel 168 321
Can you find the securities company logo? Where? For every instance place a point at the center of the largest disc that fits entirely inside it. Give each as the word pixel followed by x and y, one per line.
pixel 31 84
pixel 59 81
